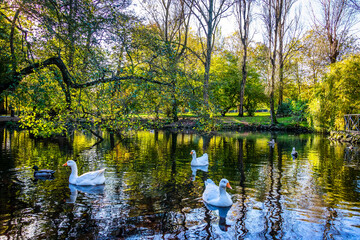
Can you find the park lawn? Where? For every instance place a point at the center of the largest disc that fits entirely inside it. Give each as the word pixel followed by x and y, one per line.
pixel 260 118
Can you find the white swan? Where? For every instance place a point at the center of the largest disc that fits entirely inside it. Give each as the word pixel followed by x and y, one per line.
pixel 217 195
pixel 294 153
pixel 200 161
pixel 272 142
pixel 89 178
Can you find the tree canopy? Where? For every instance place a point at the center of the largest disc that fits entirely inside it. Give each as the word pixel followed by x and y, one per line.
pixel 100 64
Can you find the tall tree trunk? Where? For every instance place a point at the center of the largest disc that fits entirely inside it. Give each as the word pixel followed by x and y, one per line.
pixel 272 97
pixel 281 62
pixel 209 45
pixel 206 80
pixel 243 15
pixel 208 14
pixel 243 82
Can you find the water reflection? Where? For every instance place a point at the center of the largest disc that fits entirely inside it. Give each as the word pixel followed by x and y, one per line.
pixel 149 192
pixel 43 178
pixel 194 169
pixel 222 211
pixel 96 190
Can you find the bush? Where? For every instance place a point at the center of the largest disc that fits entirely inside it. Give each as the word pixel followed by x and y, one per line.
pixel 299 109
pixel 284 109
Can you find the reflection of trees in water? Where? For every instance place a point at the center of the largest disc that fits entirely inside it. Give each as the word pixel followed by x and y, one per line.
pixel 352 155
pixel 241 229
pixel 151 194
pixel 329 229
pixel 273 217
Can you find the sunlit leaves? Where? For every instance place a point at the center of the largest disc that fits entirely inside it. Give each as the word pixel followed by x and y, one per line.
pixel 338 94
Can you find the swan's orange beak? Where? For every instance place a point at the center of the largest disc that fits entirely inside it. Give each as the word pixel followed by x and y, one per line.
pixel 228 185
pixel 65 164
pixel 191 153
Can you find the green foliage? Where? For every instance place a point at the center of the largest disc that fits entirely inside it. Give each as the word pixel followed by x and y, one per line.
pixel 254 92
pixel 299 110
pixel 337 95
pixel 284 109
pixel 5 60
pixel 295 108
pixel 97 40
pixel 224 85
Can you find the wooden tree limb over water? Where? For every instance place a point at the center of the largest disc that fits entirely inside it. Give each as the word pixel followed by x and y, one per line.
pixel 67 78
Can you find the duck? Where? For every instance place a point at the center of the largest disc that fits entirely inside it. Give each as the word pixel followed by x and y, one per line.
pixel 89 178
pixel 43 173
pixel 217 195
pixel 294 153
pixel 200 161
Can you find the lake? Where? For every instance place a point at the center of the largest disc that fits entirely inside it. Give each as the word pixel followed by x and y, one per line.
pixel 151 191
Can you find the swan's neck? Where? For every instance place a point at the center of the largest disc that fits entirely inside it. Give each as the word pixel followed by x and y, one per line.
pixel 223 197
pixel 222 191
pixel 73 175
pixel 193 158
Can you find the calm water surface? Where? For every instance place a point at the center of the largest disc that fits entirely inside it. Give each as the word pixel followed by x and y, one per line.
pixel 151 191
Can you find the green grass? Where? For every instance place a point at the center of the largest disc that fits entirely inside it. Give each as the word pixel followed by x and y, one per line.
pixel 257 114
pixel 262 118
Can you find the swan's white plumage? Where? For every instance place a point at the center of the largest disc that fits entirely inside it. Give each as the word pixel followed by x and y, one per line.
pixel 217 195
pixel 200 161
pixel 89 178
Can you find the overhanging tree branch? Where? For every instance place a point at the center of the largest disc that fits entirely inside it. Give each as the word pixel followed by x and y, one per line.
pixel 67 78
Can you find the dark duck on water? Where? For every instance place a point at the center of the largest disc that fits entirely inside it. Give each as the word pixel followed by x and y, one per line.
pixel 43 173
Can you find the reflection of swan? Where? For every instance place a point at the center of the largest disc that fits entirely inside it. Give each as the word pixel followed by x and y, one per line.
pixel 89 178
pixel 200 161
pixel 222 214
pixel 217 195
pixel 195 168
pixel 272 143
pixel 294 153
pixel 74 189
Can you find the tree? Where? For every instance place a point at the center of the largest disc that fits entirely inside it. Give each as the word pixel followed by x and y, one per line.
pixel 355 4
pixel 338 94
pixel 254 92
pixel 224 86
pixel 314 61
pixel 288 35
pixel 272 16
pixel 172 20
pixel 336 19
pixel 59 39
pixel 208 13
pixel 243 11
